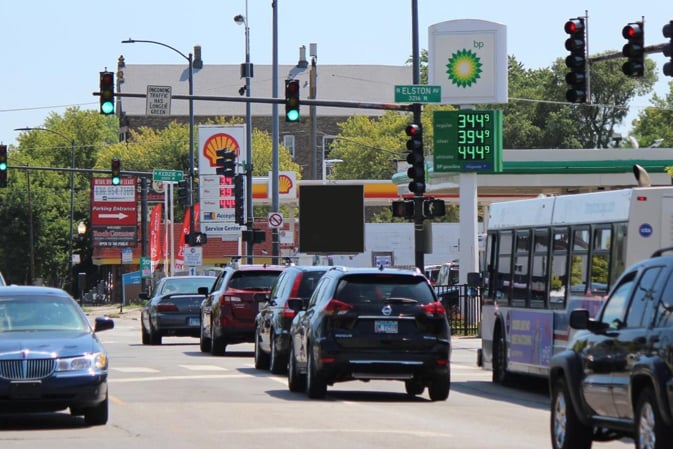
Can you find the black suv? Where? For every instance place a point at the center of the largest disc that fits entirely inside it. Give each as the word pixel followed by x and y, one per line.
pixel 370 323
pixel 615 379
pixel 272 333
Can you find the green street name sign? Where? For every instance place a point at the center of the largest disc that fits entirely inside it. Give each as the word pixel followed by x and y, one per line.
pixel 167 175
pixel 418 93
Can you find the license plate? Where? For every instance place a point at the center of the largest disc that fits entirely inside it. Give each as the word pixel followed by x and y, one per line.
pixel 385 327
pixel 193 321
pixel 25 390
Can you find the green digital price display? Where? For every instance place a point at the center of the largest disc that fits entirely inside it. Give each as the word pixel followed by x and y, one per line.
pixel 467 141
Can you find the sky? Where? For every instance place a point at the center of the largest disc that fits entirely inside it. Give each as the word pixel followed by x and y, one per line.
pixel 52 51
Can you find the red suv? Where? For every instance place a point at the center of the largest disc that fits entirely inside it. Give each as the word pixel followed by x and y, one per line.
pixel 228 312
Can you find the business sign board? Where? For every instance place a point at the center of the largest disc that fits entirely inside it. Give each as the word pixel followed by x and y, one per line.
pixel 114 213
pixel 468 60
pixel 216 192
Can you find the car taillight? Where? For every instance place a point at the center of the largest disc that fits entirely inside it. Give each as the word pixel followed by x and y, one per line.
pixel 167 307
pixel 335 307
pixel 433 309
pixel 294 293
pixel 226 298
pixel 287 312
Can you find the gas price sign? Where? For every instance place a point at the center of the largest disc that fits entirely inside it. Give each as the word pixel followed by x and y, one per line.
pixel 468 141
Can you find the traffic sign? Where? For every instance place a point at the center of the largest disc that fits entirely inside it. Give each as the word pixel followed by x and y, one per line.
pixel 275 220
pixel 158 101
pixel 167 175
pixel 418 93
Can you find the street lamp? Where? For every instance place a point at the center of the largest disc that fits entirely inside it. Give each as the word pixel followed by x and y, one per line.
pixel 247 72
pixel 193 64
pixel 72 188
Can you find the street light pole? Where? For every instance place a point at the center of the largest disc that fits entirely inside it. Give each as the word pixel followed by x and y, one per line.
pixel 72 191
pixel 193 63
pixel 239 19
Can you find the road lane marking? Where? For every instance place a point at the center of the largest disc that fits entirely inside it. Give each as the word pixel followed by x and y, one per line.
pixel 204 367
pixel 134 369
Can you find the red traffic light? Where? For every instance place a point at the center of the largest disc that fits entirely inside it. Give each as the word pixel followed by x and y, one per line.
pixel 573 26
pixel 632 31
pixel 413 130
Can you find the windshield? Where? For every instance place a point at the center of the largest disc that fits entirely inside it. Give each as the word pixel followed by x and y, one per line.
pixel 23 313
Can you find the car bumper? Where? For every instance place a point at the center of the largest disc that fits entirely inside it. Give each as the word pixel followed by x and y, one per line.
pixel 52 394
pixel 185 325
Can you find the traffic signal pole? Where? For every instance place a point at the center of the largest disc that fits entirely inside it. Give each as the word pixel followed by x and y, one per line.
pixel 419 224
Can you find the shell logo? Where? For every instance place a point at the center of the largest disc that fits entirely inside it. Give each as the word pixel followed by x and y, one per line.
pixel 285 184
pixel 218 142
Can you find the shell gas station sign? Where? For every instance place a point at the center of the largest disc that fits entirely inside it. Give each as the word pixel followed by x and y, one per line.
pixel 216 192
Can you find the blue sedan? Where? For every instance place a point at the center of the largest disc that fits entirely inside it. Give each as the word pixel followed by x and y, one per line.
pixel 50 356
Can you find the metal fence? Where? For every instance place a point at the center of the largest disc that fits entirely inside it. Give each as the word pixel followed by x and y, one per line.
pixel 463 307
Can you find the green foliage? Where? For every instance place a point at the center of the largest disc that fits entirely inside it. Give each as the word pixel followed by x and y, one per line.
pixel 655 122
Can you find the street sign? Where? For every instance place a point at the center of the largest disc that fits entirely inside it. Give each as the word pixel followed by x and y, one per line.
pixel 167 175
pixel 418 93
pixel 114 213
pixel 158 101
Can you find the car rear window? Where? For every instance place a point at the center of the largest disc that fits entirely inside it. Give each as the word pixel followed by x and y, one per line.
pixel 253 280
pixel 371 288
pixel 308 283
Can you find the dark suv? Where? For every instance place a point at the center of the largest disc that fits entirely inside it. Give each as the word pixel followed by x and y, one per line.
pixel 615 379
pixel 228 312
pixel 370 323
pixel 272 335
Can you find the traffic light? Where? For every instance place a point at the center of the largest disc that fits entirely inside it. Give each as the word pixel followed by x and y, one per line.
pixel 576 61
pixel 107 93
pixel 415 158
pixel 116 171
pixel 239 199
pixel 403 209
pixel 433 208
pixel 634 49
pixel 291 100
pixel 183 193
pixel 3 165
pixel 226 162
pixel 668 48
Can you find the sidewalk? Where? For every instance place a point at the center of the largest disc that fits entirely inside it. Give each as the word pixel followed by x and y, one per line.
pixel 129 312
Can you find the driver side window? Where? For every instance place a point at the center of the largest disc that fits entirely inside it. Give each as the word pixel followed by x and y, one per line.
pixel 614 310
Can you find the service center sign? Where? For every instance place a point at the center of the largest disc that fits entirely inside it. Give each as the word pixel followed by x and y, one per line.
pixel 114 213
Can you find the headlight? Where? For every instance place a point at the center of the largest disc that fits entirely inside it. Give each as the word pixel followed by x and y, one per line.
pixel 88 362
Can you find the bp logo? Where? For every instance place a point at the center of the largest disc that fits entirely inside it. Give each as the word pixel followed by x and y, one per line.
pixel 464 68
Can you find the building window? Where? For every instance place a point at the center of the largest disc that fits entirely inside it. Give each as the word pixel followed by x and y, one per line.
pixel 288 142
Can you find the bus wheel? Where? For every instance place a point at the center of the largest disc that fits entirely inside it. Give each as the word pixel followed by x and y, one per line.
pixel 500 374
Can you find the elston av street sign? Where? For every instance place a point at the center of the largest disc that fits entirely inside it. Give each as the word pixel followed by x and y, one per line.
pixel 167 175
pixel 418 93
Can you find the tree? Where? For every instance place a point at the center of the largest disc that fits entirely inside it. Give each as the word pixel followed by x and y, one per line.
pixel 654 123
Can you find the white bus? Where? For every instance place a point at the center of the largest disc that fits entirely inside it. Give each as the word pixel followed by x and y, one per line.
pixel 549 255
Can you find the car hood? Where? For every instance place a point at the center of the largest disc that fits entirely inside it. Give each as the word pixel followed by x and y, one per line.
pixel 41 344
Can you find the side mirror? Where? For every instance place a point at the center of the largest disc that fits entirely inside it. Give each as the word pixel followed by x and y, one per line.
pixel 579 319
pixel 144 295
pixel 296 304
pixel 103 323
pixel 260 297
pixel 202 291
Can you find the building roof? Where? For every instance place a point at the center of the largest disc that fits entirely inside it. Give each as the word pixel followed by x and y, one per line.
pixel 357 83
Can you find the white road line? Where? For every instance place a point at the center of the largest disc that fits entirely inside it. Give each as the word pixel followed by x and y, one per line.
pixel 204 367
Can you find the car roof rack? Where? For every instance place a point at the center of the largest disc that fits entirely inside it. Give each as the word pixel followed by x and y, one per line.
pixel 660 252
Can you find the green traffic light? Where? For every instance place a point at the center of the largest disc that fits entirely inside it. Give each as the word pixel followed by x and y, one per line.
pixel 3 166
pixel 292 115
pixel 107 108
pixel 116 181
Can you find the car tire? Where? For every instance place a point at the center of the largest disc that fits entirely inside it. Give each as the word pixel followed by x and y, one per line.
pixel 499 370
pixel 204 342
pixel 651 432
pixel 261 358
pixel 316 387
pixel 217 344
pixel 296 382
pixel 155 337
pixel 567 431
pixel 414 387
pixel 97 415
pixel 145 335
pixel 277 361
pixel 440 387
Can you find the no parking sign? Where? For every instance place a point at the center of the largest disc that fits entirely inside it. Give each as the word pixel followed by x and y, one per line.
pixel 275 220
